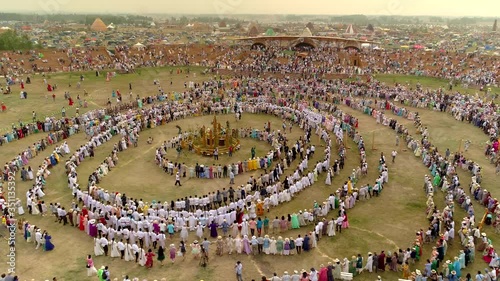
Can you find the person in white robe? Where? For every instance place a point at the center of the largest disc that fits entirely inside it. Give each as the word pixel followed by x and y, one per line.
pixel 98 250
pixel 328 180
pixel 115 253
pixel 142 257
pixel 369 263
pixel 331 228
pixel 19 205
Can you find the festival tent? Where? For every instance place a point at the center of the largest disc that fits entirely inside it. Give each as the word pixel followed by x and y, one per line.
pixel 270 32
pixel 111 26
pixel 418 47
pixel 306 32
pixel 139 46
pixel 98 25
pixel 253 31
pixel 349 30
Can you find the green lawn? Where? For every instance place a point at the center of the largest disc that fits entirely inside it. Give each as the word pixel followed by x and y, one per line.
pixel 428 82
pixel 386 223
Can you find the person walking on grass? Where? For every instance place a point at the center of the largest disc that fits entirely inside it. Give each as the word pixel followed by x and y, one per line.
pixel 239 271
pixel 177 179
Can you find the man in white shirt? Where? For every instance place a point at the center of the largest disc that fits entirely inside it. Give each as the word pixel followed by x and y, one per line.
pixel 393 154
pixel 298 244
pixel 177 179
pixel 38 238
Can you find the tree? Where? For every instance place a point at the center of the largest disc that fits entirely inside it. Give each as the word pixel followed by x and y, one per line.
pixel 495 26
pixel 370 27
pixel 10 41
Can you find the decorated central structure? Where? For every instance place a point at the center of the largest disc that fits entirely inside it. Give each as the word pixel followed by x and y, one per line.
pixel 207 139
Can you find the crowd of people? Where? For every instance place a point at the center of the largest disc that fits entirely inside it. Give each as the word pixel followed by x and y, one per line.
pixel 131 229
pixel 295 220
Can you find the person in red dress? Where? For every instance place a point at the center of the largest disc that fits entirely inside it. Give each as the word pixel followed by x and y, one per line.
pixel 4 107
pixel 82 221
pixel 70 101
pixel 149 258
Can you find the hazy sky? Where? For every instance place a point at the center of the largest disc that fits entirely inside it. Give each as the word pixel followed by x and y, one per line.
pixel 486 8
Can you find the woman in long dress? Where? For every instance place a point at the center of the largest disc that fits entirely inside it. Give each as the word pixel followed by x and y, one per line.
pixel 238 244
pixel 115 253
pixel 91 270
pixel 172 253
pixel 143 257
pixel 98 250
pixel 246 245
pixel 328 180
pixel 48 246
pixel 272 246
pixel 30 173
pixel 295 221
pixel 199 230
pixel 127 255
pixel 345 222
pixel 19 205
pixel 331 228
pixel 34 208
pixel 279 245
pixel 184 233
pixel 149 258
pixel 161 255
pixel 195 249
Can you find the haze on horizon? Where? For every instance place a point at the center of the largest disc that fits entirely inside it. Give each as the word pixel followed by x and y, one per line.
pixel 482 8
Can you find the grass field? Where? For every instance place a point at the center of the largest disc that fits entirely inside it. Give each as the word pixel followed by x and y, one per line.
pixel 385 223
pixel 430 82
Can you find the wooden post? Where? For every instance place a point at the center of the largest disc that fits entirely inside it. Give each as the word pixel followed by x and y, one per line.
pixel 345 140
pixel 483 219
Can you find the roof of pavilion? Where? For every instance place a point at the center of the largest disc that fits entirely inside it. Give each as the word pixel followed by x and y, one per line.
pixel 292 37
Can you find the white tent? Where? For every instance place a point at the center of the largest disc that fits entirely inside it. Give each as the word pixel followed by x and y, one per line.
pixel 139 46
pixel 153 24
pixel 111 26
pixel 349 30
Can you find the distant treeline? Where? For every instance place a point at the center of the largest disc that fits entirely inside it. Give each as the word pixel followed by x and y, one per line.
pixel 77 18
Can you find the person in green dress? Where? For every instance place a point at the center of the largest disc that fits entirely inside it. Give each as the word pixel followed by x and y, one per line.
pixel 161 255
pixel 295 221
pixel 279 245
pixel 352 266
pixel 359 264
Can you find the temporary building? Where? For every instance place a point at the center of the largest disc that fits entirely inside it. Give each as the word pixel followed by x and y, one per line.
pixel 349 30
pixel 98 25
pixel 306 32
pixel 139 46
pixel 111 26
pixel 270 32
pixel 253 31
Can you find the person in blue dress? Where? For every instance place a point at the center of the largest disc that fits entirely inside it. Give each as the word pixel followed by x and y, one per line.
pixel 456 265
pixel 306 246
pixel 53 160
pixel 48 245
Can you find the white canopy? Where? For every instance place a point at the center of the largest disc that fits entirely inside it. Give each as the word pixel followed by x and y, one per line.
pixel 139 46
